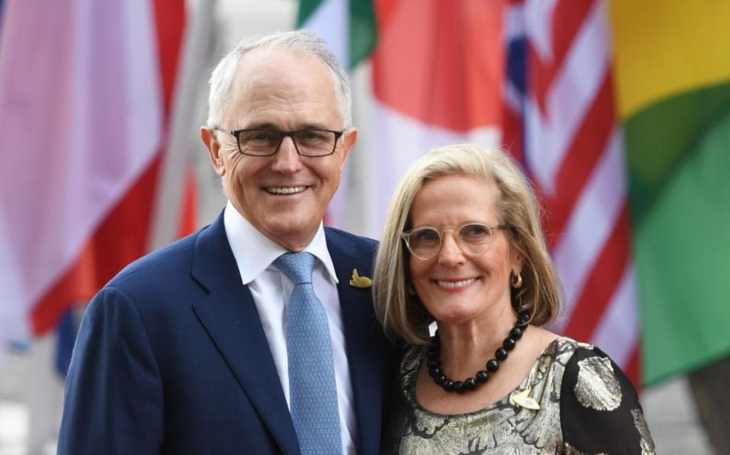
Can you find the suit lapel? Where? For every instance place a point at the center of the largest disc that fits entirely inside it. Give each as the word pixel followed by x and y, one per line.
pixel 230 318
pixel 364 343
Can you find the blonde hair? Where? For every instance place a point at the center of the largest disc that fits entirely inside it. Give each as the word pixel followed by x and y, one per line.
pixel 401 312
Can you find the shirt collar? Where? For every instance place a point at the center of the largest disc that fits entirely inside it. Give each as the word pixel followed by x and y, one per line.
pixel 254 252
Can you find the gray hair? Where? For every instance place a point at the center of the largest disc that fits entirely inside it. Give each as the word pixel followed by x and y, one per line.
pixel 400 311
pixel 221 80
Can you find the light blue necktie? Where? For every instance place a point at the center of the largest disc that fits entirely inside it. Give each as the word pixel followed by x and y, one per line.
pixel 312 389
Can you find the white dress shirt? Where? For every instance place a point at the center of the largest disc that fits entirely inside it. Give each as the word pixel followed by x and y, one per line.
pixel 255 254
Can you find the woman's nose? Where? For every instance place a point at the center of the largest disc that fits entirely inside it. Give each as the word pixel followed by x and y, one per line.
pixel 450 252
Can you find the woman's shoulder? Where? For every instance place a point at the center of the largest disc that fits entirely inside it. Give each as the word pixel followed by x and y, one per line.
pixel 565 347
pixel 599 407
pixel 559 351
pixel 594 380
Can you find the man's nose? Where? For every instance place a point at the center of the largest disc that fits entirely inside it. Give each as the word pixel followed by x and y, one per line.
pixel 287 159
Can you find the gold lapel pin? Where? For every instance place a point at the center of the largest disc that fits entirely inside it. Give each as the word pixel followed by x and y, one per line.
pixel 359 281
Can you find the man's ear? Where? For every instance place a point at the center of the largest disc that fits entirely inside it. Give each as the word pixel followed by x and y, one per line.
pixel 207 135
pixel 348 141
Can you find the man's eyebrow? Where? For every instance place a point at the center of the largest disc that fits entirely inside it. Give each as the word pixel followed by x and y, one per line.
pixel 271 126
pixel 259 126
pixel 316 126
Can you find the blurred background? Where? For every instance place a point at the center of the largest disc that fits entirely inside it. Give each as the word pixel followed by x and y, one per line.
pixel 618 111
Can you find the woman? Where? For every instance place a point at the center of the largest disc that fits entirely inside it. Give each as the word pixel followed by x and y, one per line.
pixel 463 247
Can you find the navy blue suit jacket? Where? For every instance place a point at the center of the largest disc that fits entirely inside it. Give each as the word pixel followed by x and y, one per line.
pixel 171 358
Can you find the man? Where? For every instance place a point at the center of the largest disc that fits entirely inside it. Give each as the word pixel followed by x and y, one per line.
pixel 196 348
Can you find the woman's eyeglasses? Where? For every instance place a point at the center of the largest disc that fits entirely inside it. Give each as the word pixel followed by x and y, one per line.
pixel 473 239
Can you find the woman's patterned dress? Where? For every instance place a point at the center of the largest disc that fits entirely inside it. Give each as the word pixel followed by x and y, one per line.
pixel 575 400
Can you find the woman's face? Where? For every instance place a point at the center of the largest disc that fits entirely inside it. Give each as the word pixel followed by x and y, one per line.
pixel 454 286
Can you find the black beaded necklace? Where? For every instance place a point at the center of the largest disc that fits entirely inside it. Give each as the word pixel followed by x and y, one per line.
pixel 482 376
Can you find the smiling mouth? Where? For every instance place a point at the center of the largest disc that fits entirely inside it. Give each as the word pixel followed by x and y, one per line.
pixel 284 190
pixel 455 284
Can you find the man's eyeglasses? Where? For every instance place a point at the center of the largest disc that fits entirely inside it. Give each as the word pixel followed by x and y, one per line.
pixel 473 239
pixel 266 142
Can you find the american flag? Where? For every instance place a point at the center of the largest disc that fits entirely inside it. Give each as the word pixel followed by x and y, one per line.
pixel 561 123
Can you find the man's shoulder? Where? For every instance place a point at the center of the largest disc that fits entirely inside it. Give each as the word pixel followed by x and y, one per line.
pixel 174 259
pixel 349 243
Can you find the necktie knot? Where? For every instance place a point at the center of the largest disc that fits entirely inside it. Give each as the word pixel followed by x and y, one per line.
pixel 296 266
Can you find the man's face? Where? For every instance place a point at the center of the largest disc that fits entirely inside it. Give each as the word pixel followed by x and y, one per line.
pixel 284 196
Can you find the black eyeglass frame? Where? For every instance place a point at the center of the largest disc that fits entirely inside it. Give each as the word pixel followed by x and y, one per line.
pixel 406 235
pixel 237 134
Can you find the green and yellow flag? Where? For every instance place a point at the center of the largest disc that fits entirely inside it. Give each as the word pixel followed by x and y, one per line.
pixel 672 60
